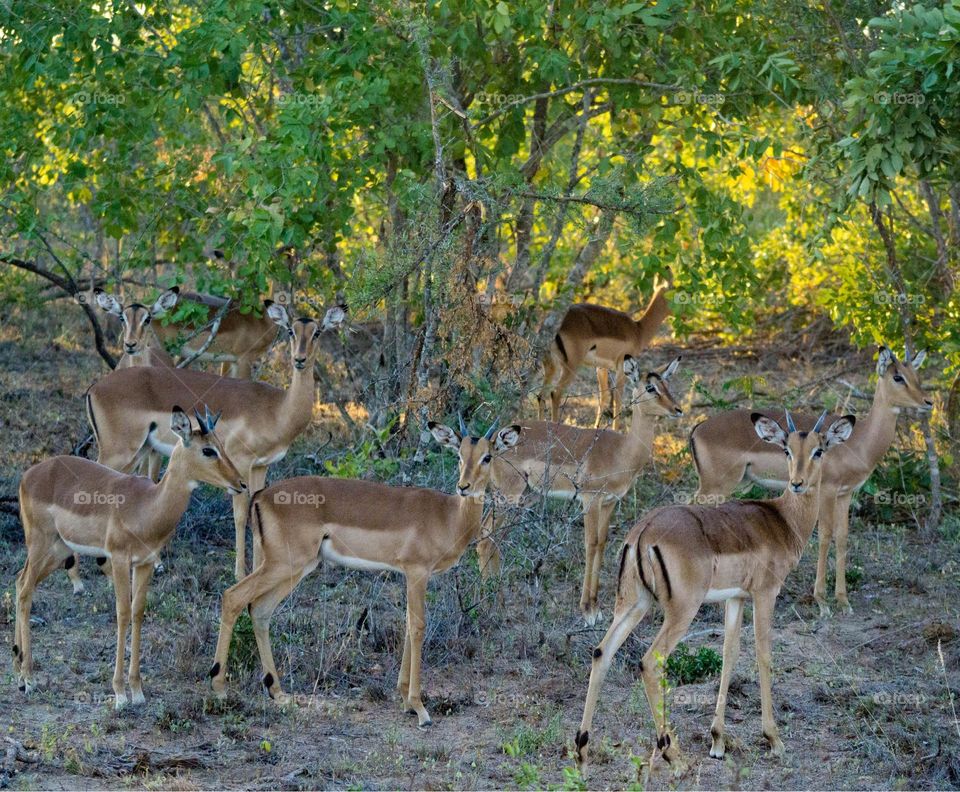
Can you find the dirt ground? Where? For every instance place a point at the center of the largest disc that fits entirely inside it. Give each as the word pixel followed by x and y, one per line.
pixel 863 701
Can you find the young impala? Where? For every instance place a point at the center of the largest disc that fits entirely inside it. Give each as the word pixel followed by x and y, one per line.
pixel 259 421
pixel 72 505
pixel 301 522
pixel 240 341
pixel 726 452
pixel 593 335
pixel 679 557
pixel 596 467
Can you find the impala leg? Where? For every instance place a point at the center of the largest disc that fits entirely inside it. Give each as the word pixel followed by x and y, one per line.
pixel 40 563
pixel 603 381
pixel 732 623
pixel 627 615
pixel 556 395
pixel 142 573
pixel 677 616
pixel 762 627
pixel 416 626
pixel 261 611
pixel 121 589
pixel 550 370
pixel 403 678
pixel 604 512
pixel 73 572
pixel 258 583
pixel 618 397
pixel 488 554
pixel 241 503
pixel 841 527
pixel 258 477
pixel 824 537
pixel 242 369
pixel 591 514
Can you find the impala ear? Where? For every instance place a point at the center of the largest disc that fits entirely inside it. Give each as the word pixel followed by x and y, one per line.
pixel 107 302
pixel 670 370
pixel 180 424
pixel 279 315
pixel 165 301
pixel 334 317
pixel 769 430
pixel 884 359
pixel 918 360
pixel 631 368
pixel 445 436
pixel 508 437
pixel 839 431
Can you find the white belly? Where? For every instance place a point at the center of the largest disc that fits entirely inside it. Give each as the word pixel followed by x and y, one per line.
pixel 721 595
pixel 351 562
pixel 86 550
pixel 271 460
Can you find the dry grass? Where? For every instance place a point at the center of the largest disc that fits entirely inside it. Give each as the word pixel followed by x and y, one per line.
pixel 863 701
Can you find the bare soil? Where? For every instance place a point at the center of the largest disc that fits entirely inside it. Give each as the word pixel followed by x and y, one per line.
pixel 864 701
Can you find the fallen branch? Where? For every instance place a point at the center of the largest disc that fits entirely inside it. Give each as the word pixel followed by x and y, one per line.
pixel 214 325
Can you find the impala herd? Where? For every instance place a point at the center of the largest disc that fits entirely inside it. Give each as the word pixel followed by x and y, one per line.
pixel 676 557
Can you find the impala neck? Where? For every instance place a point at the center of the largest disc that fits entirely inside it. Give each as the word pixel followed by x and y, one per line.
pixel 469 519
pixel 173 490
pixel 642 430
pixel 800 512
pixel 297 407
pixel 877 430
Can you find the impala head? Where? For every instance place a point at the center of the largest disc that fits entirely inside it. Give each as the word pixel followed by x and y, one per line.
pixel 476 453
pixel 304 333
pixel 135 316
pixel 899 380
pixel 207 461
pixel 804 450
pixel 650 392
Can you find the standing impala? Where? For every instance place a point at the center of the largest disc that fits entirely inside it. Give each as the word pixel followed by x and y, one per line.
pixel 240 341
pixel 725 453
pixel 259 421
pixel 596 467
pixel 682 556
pixel 593 335
pixel 71 505
pixel 300 522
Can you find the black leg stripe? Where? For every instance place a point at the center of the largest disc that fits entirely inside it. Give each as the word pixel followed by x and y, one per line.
pixel 663 568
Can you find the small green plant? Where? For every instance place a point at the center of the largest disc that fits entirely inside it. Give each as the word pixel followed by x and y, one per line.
pixel 243 648
pixel 686 668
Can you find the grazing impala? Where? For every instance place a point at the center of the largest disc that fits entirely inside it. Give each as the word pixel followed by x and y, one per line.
pixel 596 467
pixel 259 421
pixel 72 505
pixel 240 341
pixel 682 556
pixel 726 452
pixel 301 522
pixel 592 335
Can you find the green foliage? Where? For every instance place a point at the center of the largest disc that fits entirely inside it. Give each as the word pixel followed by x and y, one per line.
pixel 686 668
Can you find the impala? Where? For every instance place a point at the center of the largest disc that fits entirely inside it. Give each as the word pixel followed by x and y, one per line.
pixel 301 522
pixel 259 421
pixel 593 335
pixel 726 452
pixel 240 341
pixel 72 505
pixel 596 467
pixel 682 556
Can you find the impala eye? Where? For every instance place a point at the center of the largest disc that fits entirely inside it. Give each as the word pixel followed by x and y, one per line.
pixel 210 452
pixel 651 389
pixel 316 333
pixel 486 460
pixel 146 319
pixel 817 454
pixel 290 332
pixel 898 378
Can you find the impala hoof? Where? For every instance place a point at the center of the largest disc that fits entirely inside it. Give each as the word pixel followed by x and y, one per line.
pixel 843 606
pixel 78 587
pixel 120 701
pixel 824 610
pixel 137 697
pixel 719 748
